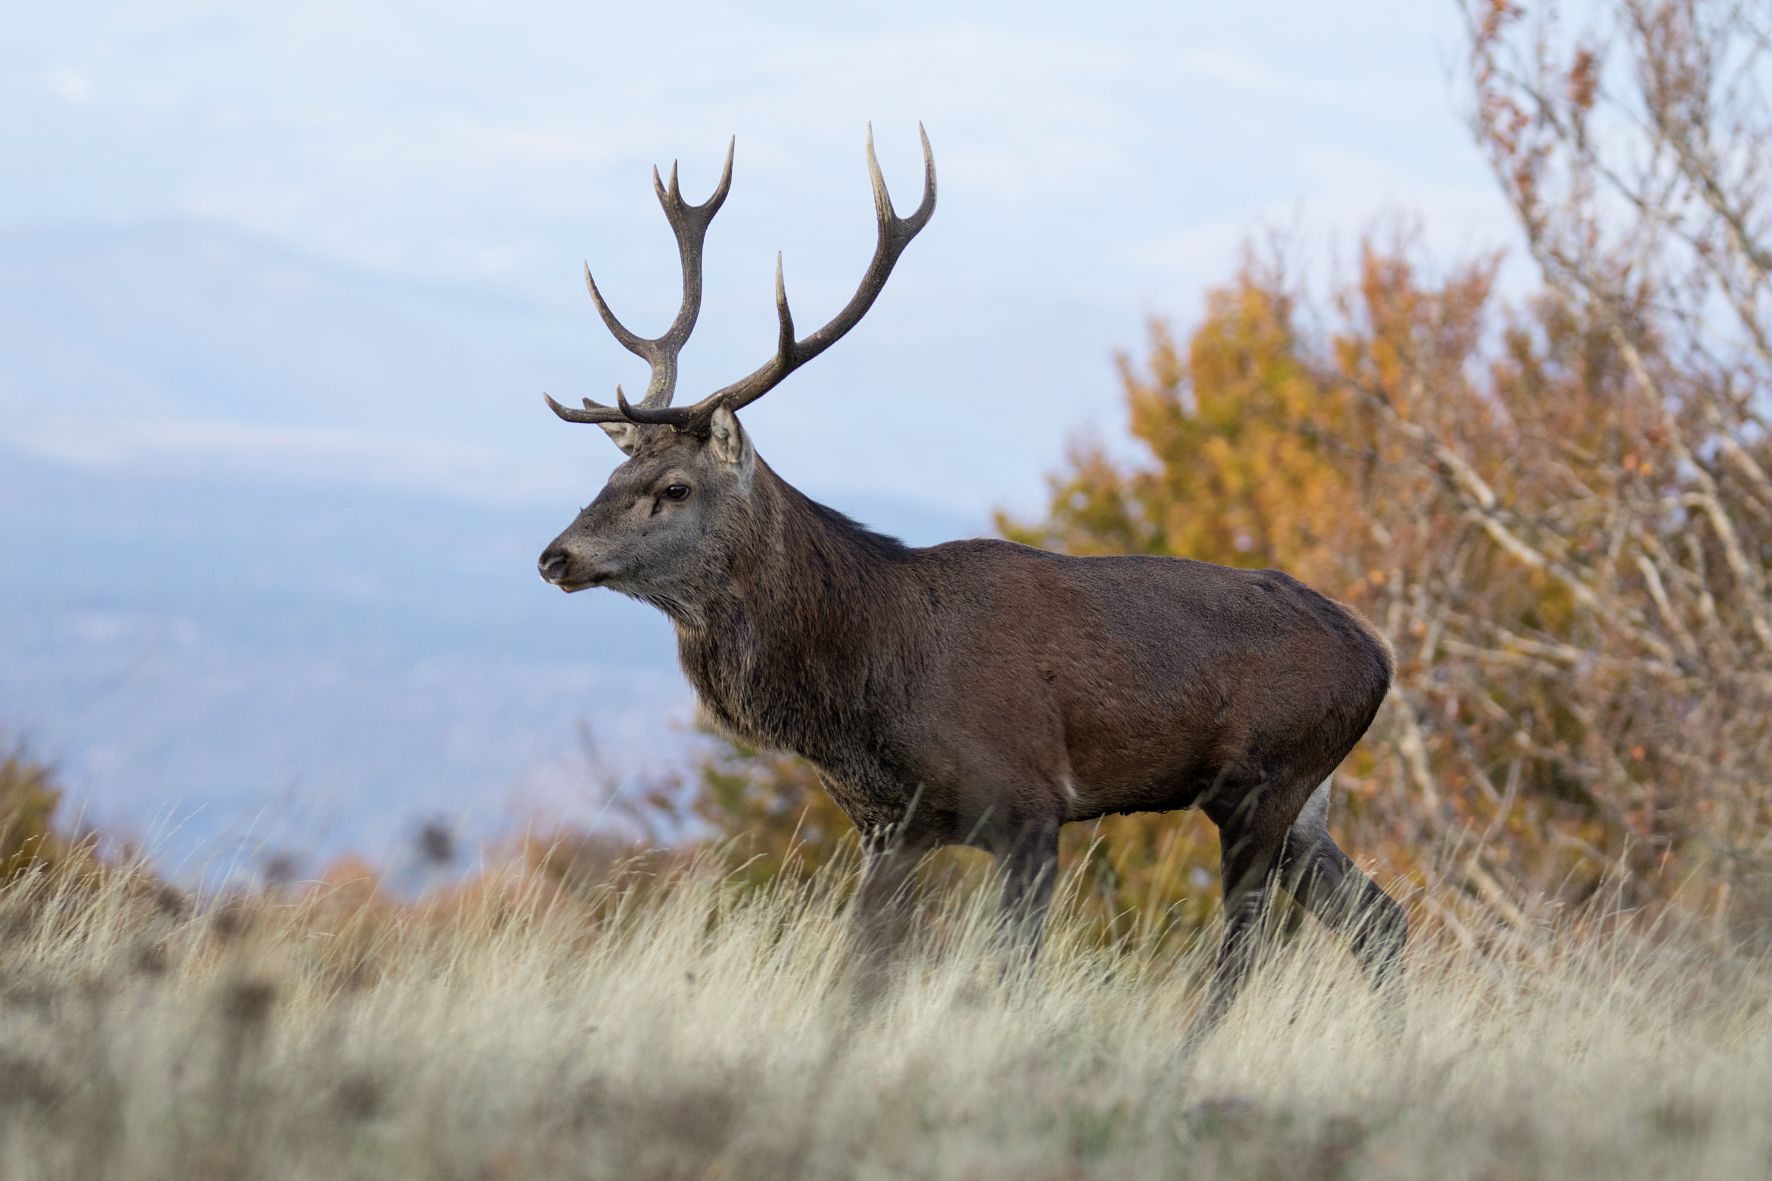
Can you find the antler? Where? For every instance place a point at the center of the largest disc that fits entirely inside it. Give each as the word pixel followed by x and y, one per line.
pixel 895 233
pixel 690 224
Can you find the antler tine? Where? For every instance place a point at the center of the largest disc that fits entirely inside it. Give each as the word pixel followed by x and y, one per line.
pixel 593 411
pixel 895 233
pixel 785 345
pixel 689 223
pixel 632 342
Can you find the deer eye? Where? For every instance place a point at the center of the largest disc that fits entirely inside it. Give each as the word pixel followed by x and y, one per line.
pixel 677 492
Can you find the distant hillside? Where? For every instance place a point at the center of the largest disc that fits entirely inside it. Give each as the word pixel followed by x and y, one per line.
pixel 270 530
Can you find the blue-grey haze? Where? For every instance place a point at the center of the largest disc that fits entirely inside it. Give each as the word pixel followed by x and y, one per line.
pixel 280 289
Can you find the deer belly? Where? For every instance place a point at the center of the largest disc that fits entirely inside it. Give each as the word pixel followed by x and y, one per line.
pixel 1147 773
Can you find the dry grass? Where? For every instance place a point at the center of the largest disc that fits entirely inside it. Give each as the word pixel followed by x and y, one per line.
pixel 698 1030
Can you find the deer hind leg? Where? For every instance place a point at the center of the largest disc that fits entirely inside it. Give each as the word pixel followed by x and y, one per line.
pixel 1250 860
pixel 1255 813
pixel 1326 882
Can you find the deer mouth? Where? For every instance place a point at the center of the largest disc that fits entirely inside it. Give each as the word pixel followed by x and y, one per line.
pixel 558 567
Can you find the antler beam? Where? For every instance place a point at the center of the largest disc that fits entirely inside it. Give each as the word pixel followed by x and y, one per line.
pixel 690 224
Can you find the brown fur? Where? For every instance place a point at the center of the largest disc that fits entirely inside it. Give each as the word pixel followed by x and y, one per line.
pixel 985 693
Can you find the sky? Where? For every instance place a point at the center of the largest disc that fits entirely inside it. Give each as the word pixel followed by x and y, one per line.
pixel 280 288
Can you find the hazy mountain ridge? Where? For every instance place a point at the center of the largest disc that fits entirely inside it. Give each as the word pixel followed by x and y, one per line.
pixel 348 647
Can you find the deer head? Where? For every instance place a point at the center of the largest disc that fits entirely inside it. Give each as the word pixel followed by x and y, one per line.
pixel 668 514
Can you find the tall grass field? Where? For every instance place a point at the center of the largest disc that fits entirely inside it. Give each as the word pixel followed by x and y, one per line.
pixel 681 1026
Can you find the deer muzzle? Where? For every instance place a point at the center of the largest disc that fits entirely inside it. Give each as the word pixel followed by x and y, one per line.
pixel 556 566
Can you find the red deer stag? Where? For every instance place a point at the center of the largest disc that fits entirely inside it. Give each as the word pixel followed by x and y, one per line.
pixel 978 692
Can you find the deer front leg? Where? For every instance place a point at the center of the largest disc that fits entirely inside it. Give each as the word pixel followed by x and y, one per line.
pixel 1030 869
pixel 880 912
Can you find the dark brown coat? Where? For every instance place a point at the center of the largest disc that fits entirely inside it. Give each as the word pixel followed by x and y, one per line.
pixel 985 693
pixel 978 692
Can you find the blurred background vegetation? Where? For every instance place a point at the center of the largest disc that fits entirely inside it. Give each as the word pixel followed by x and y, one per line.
pixel 1551 493
pixel 1547 479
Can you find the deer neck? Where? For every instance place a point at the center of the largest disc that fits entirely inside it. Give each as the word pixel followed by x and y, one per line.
pixel 790 640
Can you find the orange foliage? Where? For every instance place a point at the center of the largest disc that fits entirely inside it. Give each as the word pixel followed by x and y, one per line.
pixel 1482 483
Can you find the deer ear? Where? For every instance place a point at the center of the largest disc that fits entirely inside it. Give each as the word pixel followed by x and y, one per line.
pixel 726 439
pixel 625 434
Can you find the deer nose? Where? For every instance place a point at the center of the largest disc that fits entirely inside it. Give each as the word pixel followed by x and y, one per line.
pixel 553 564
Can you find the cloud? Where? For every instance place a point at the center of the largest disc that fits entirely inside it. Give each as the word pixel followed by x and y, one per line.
pixel 1367 93
pixel 1233 70
pixel 1336 192
pixel 69 85
pixel 314 453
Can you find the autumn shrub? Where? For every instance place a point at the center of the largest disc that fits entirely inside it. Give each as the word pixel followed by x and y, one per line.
pixel 34 837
